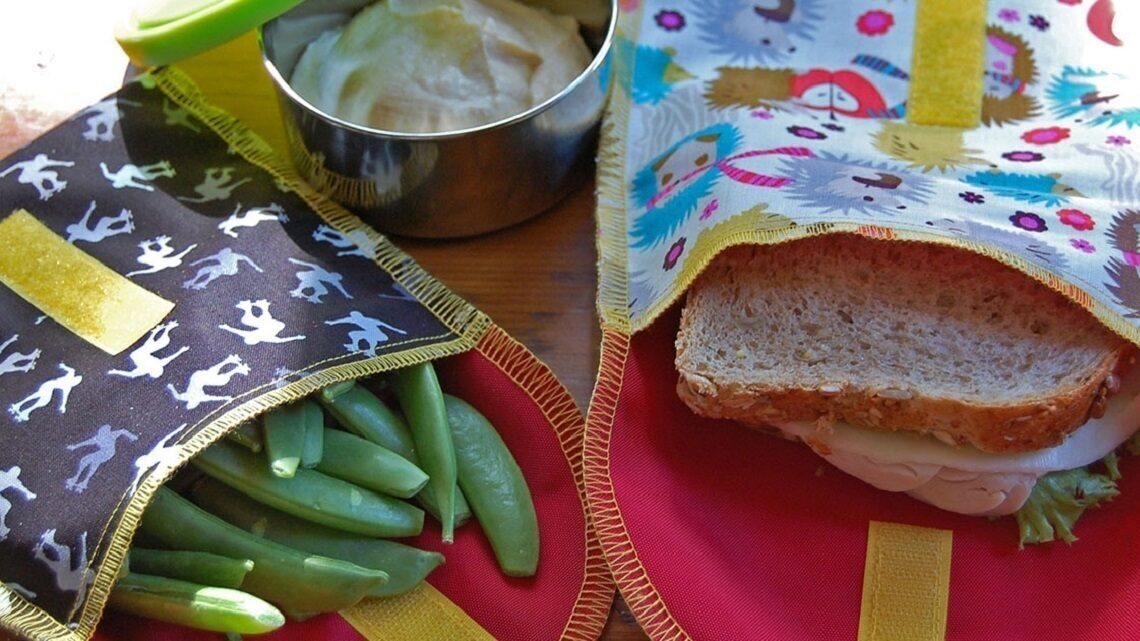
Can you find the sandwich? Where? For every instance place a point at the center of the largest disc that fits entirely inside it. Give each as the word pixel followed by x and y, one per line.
pixel 917 368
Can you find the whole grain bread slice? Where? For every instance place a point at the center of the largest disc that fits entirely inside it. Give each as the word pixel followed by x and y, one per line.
pixel 892 335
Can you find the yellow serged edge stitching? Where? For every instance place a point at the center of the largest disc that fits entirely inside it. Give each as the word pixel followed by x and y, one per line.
pixel 633 581
pixel 30 621
pixel 467 322
pixel 612 241
pixel 613 232
pixel 704 252
pixel 453 311
pixel 592 607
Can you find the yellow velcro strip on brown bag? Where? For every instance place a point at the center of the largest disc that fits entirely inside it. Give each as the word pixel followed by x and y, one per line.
pixel 906 583
pixel 421 613
pixel 948 65
pixel 73 288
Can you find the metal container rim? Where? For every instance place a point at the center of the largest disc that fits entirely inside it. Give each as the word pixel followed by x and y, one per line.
pixel 598 60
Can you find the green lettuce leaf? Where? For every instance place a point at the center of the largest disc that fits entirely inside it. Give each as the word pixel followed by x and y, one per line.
pixel 1060 498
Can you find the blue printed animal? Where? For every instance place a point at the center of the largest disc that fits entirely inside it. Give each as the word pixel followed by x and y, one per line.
pixel 1098 97
pixel 654 75
pixel 670 187
pixel 1030 188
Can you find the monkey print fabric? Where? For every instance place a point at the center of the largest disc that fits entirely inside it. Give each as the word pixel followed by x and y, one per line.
pixel 741 120
pixel 265 294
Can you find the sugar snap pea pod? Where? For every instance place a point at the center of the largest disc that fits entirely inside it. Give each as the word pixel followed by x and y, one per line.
pixel 406 566
pixel 363 413
pixel 287 577
pixel 417 389
pixel 283 430
pixel 194 605
pixel 312 495
pixel 248 435
pixel 364 463
pixel 314 447
pixel 496 489
pixel 187 565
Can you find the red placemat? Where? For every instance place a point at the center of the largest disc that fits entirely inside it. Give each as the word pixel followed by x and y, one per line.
pixel 570 596
pixel 715 531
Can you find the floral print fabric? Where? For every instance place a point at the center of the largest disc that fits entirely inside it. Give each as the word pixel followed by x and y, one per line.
pixel 737 119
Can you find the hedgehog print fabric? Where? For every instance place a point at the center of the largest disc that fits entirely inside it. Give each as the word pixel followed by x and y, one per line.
pixel 761 121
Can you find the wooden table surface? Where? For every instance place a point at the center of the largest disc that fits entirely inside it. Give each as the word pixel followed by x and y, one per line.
pixel 536 280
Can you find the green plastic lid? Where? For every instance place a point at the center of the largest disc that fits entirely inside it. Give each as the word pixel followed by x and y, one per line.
pixel 159 32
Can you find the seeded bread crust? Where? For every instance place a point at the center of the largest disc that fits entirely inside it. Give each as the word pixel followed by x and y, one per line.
pixel 894 336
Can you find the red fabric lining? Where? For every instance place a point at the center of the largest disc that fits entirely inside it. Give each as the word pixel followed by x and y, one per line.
pixel 746 536
pixel 510 609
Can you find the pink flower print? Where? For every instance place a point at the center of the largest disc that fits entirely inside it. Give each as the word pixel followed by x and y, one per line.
pixel 674 254
pixel 1082 245
pixel 1071 3
pixel 1028 221
pixel 1045 135
pixel 1009 15
pixel 1076 219
pixel 1117 141
pixel 875 23
pixel 710 209
pixel 670 20
pixel 762 114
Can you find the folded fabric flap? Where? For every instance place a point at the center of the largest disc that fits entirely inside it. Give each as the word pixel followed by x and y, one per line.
pixel 1004 129
pixel 272 293
pixel 736 123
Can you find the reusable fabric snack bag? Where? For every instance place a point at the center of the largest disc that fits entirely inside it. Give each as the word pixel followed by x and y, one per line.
pixel 1006 129
pixel 167 277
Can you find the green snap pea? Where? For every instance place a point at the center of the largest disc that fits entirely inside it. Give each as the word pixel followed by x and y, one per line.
pixel 421 399
pixel 364 463
pixel 192 566
pixel 311 495
pixel 296 581
pixel 194 605
pixel 406 566
pixel 247 435
pixel 283 430
pixel 313 450
pixel 366 415
pixel 495 488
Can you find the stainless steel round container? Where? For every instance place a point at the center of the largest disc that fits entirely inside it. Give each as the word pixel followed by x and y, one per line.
pixel 448 184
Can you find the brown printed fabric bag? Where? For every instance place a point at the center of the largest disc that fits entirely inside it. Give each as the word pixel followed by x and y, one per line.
pixel 166 278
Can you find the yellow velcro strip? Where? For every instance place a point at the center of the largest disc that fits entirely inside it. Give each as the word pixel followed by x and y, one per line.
pixel 73 288
pixel 948 64
pixel 906 583
pixel 421 613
